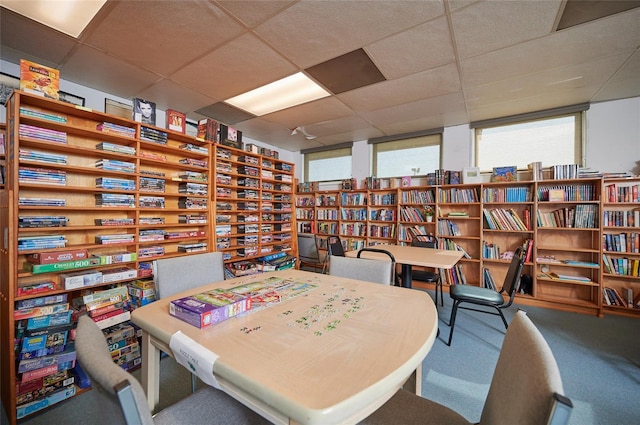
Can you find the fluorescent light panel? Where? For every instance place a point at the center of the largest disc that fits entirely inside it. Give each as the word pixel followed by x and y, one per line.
pixel 68 16
pixel 290 91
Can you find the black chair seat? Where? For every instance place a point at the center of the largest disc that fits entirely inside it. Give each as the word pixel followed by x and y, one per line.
pixel 476 295
pixel 485 297
pixel 425 276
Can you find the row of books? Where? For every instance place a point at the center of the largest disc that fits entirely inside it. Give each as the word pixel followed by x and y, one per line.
pixel 506 194
pixel 42 176
pixel 39 133
pixel 574 192
pixel 621 266
pixel 417 197
pixel 113 147
pixel 115 165
pixel 120 130
pixel 37 156
pixel 618 218
pixel 622 242
pixel 458 195
pixel 42 221
pixel 626 192
pixel 582 216
pixel 623 298
pixel 507 219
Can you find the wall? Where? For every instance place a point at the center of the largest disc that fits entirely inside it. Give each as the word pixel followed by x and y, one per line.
pixel 612 142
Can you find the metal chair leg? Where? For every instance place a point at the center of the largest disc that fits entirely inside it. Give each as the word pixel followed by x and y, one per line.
pixel 452 320
pixel 194 383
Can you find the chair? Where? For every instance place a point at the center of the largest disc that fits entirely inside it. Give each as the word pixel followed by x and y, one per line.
pixel 488 297
pixel 122 398
pixel 308 252
pixel 334 248
pixel 375 271
pixel 523 389
pixel 394 276
pixel 177 274
pixel 428 241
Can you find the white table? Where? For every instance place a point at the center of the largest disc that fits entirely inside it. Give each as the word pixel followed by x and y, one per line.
pixel 330 356
pixel 409 256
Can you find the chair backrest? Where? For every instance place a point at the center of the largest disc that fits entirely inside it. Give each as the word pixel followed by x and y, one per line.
pixel 424 241
pixel 93 354
pixel 375 271
pixel 525 379
pixel 334 246
pixel 512 278
pixel 308 247
pixel 383 252
pixel 177 274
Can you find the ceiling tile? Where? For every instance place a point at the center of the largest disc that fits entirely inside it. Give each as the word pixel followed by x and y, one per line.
pixel 312 31
pixel 252 12
pixel 578 12
pixel 434 82
pixel 172 34
pixel 575 45
pixel 325 109
pixel 12 30
pixel 624 83
pixel 346 72
pixel 422 47
pixel 552 82
pixel 169 95
pixel 91 68
pixel 225 113
pixel 241 65
pixel 446 110
pixel 520 21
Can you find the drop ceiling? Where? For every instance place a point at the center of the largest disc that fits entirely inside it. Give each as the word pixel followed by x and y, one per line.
pixel 442 63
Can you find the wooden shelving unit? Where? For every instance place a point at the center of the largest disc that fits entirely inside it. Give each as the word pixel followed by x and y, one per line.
pixel 86 178
pixel 565 256
pixel 253 205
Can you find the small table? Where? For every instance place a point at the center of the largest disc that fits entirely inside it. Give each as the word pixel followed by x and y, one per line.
pixel 409 256
pixel 334 354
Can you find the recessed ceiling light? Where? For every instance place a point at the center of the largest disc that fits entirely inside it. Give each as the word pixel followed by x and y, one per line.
pixel 290 91
pixel 68 16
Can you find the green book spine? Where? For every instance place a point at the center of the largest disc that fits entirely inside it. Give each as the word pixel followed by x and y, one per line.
pixel 61 266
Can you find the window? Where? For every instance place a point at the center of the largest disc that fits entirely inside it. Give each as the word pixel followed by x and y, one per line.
pixel 326 165
pixel 407 157
pixel 553 140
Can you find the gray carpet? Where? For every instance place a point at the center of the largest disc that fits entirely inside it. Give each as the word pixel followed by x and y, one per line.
pixel 599 360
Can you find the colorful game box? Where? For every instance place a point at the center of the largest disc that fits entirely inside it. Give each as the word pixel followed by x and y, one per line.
pixel 208 308
pixel 39 79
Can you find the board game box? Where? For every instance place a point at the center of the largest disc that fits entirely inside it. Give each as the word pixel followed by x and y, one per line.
pixel 208 308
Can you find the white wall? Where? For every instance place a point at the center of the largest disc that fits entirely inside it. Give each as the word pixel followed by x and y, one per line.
pixel 613 136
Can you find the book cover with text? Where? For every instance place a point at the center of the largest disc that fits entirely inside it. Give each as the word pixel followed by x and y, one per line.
pixel 39 79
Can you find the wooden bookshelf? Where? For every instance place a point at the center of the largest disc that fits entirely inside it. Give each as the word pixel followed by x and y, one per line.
pixel 564 237
pixel 109 185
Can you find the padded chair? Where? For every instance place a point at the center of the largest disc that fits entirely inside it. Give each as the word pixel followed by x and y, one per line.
pixel 177 274
pixel 122 399
pixel 523 388
pixel 334 248
pixel 308 252
pixel 428 241
pixel 485 297
pixel 375 271
pixel 394 276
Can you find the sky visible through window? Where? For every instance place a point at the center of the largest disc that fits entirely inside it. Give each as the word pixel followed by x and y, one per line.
pixel 550 141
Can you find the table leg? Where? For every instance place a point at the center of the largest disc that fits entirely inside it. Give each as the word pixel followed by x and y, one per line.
pixel 406 275
pixel 414 383
pixel 150 371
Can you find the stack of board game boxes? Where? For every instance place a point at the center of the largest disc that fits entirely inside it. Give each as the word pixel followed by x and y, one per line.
pixel 44 352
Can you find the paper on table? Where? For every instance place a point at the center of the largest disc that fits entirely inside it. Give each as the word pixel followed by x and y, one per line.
pixel 194 357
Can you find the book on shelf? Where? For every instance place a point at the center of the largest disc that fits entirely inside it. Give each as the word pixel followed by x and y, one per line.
pixel 39 79
pixel 176 121
pixel 144 111
pixel 504 174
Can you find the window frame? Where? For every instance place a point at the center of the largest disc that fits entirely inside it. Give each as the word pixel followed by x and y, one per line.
pixel 431 138
pixel 577 111
pixel 327 153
